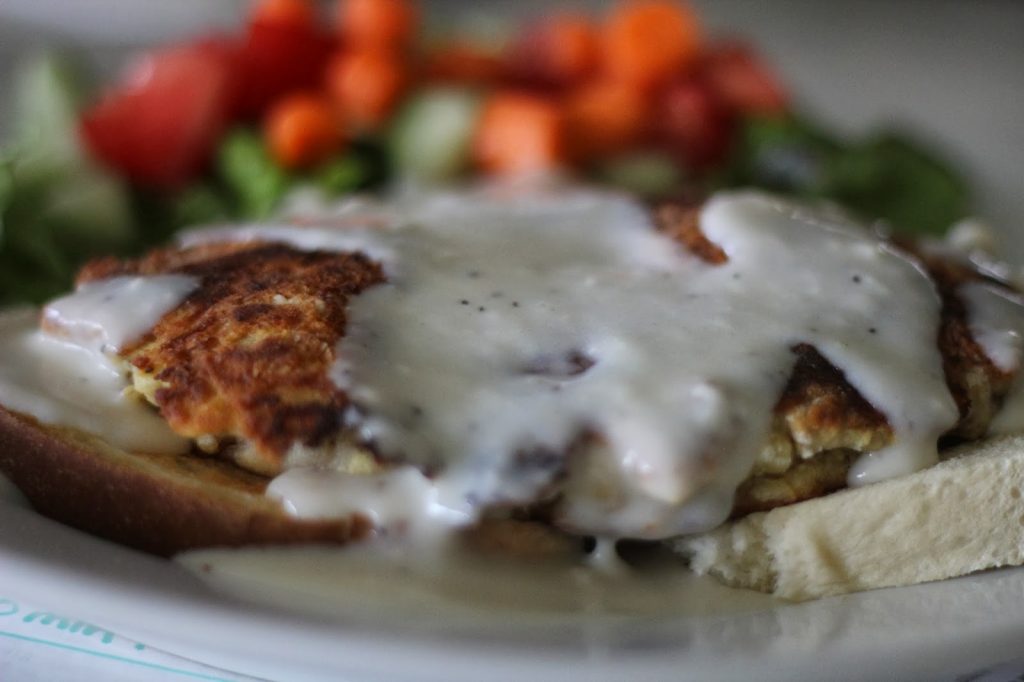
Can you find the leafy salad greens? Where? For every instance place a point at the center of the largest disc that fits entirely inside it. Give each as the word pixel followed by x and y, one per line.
pixel 58 207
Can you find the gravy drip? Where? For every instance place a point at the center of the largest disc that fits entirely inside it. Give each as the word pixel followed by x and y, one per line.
pixel 108 314
pixel 527 343
pixel 996 319
pixel 60 382
pixel 69 373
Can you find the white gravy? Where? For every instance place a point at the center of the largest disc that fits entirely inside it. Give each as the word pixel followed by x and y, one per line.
pixel 527 340
pixel 62 383
pixel 68 372
pixel 398 501
pixel 512 325
pixel 996 321
pixel 111 313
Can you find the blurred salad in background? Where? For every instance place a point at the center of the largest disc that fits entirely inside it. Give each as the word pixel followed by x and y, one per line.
pixel 225 126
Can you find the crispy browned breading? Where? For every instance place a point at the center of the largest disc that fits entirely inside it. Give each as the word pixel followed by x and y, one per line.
pixel 682 223
pixel 247 355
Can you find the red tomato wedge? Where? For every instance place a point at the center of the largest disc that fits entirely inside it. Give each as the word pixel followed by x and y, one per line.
pixel 554 52
pixel 742 81
pixel 297 13
pixel 159 126
pixel 693 124
pixel 276 59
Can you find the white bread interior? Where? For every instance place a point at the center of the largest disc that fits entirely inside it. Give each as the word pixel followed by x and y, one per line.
pixel 963 515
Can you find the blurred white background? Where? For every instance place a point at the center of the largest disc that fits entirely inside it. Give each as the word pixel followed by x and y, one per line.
pixel 951 70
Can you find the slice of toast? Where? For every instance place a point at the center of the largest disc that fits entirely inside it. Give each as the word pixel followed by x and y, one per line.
pixel 166 504
pixel 963 515
pixel 161 504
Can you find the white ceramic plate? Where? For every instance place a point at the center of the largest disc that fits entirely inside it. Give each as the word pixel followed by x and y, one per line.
pixel 929 632
pixel 952 70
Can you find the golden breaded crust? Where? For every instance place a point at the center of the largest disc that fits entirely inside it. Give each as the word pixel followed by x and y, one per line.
pixel 247 355
pixel 682 223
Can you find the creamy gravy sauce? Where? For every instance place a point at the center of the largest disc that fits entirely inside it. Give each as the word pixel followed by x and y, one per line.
pixel 996 320
pixel 68 372
pixel 515 328
pixel 111 313
pixel 511 327
pixel 62 383
pixel 401 500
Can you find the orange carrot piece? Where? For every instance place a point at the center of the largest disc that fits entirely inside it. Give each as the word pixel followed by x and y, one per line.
pixel 366 85
pixel 648 41
pixel 462 64
pixel 603 118
pixel 302 130
pixel 291 13
pixel 519 133
pixel 379 24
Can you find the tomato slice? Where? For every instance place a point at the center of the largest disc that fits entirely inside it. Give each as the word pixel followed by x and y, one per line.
pixel 159 126
pixel 694 125
pixel 555 52
pixel 742 81
pixel 277 59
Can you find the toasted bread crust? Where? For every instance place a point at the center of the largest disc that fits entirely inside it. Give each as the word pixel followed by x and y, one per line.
pixel 960 516
pixel 162 504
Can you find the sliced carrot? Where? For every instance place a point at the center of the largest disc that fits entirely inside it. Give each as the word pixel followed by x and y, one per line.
pixel 366 85
pixel 649 41
pixel 291 13
pixel 604 118
pixel 377 23
pixel 302 130
pixel 462 64
pixel 558 50
pixel 519 133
